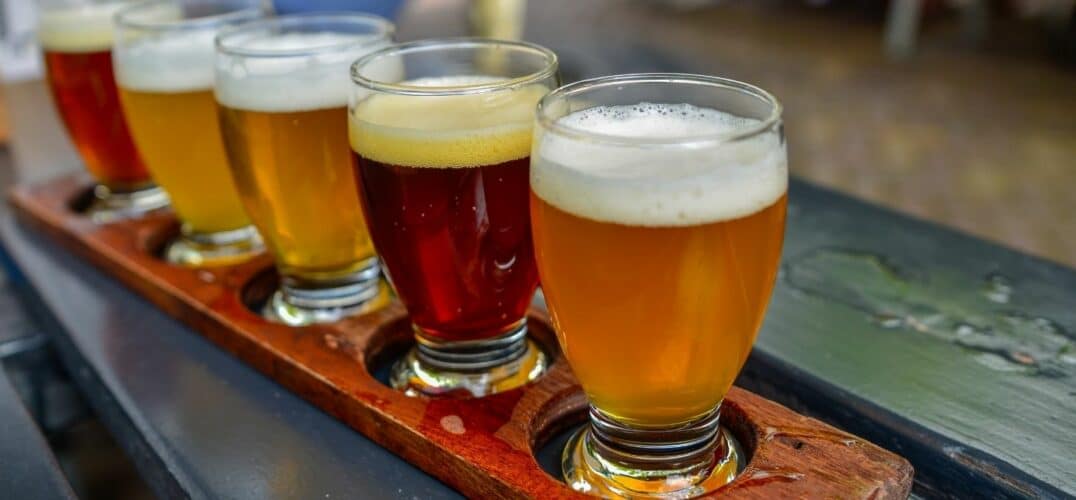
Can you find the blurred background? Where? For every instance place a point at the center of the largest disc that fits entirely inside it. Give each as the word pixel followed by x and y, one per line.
pixel 962 112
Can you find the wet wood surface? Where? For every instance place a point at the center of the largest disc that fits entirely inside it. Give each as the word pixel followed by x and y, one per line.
pixel 484 448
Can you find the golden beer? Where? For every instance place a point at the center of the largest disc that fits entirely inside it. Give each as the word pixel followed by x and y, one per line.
pixel 164 63
pixel 282 88
pixel 179 137
pixel 294 174
pixel 657 229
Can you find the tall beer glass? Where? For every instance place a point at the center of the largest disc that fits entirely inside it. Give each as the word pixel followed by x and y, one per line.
pixel 658 210
pixel 282 88
pixel 164 67
pixel 441 131
pixel 76 36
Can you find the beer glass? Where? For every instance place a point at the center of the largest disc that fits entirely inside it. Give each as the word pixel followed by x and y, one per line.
pixel 164 67
pixel 76 37
pixel 282 88
pixel 658 210
pixel 441 134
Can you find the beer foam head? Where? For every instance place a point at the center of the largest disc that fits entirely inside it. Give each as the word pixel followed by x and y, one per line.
pixel 312 81
pixel 629 174
pixel 80 28
pixel 446 131
pixel 170 62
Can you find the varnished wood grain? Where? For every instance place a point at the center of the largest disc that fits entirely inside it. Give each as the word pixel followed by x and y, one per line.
pixel 484 448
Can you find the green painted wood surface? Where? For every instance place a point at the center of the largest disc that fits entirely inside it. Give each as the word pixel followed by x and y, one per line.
pixel 966 338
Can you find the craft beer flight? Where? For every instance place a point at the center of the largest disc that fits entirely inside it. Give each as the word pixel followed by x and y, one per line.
pixel 652 206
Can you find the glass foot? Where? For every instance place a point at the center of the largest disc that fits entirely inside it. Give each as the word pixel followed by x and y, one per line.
pixel 472 368
pixel 593 465
pixel 110 206
pixel 337 303
pixel 214 249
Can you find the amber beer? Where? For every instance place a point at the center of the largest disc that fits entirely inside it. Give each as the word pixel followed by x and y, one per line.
pixel 77 43
pixel 282 88
pixel 658 231
pixel 443 169
pixel 164 67
pixel 659 284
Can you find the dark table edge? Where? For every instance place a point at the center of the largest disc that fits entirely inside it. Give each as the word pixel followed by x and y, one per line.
pixel 166 482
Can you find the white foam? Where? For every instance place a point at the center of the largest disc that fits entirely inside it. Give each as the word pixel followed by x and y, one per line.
pixel 648 184
pixel 81 28
pixel 171 62
pixel 292 83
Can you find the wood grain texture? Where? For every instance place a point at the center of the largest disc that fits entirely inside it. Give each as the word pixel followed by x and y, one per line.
pixel 485 447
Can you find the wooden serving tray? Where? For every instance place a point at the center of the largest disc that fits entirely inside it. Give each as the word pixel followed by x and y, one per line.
pixel 485 447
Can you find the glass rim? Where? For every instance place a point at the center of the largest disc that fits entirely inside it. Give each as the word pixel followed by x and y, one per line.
pixel 433 44
pixel 385 29
pixel 122 17
pixel 551 123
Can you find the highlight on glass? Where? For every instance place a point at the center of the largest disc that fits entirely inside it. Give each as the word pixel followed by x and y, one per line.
pixel 76 37
pixel 658 210
pixel 164 60
pixel 441 134
pixel 282 87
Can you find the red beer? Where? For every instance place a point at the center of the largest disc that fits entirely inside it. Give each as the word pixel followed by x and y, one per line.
pixel 441 135
pixel 76 36
pixel 85 93
pixel 456 241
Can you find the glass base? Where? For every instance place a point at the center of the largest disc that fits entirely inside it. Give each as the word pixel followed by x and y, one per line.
pixel 610 460
pixel 214 249
pixel 110 206
pixel 301 302
pixel 472 368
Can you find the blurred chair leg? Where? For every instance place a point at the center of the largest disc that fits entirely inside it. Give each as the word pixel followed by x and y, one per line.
pixel 902 27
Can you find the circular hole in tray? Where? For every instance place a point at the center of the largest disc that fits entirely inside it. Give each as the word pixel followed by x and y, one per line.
pixel 155 238
pixel 81 201
pixel 259 289
pixel 388 344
